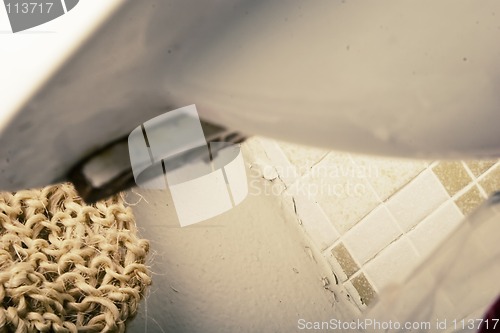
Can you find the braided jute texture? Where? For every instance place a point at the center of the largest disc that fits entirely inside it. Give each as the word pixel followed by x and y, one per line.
pixel 66 266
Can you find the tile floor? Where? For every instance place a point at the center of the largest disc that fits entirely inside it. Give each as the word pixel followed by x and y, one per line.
pixel 375 219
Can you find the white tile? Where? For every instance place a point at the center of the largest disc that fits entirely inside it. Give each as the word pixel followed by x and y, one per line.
pixel 340 188
pixel 388 175
pixel 429 233
pixel 315 222
pixel 377 230
pixel 417 200
pixel 302 157
pixel 393 264
pixel 287 171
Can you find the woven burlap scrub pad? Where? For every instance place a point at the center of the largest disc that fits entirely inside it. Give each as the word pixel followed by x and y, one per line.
pixel 66 266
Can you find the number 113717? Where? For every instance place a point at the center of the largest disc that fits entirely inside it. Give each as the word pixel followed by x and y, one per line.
pixel 474 324
pixel 29 8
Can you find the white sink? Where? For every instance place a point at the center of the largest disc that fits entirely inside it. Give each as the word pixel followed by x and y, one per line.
pixel 400 78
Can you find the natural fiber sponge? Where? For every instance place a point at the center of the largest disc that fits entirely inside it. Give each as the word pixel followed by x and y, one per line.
pixel 66 266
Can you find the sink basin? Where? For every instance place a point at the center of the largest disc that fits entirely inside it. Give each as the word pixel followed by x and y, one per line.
pixel 395 78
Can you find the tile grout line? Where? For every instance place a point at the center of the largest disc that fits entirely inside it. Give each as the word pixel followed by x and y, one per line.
pixel 341 240
pixel 272 148
pixel 484 175
pixel 475 180
pixel 403 233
